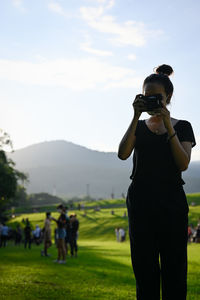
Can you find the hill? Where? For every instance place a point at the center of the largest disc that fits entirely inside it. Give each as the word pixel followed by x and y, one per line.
pixel 67 169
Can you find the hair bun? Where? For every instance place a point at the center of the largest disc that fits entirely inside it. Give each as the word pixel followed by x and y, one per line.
pixel 164 69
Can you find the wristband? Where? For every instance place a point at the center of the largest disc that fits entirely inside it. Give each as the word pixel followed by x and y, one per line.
pixel 170 137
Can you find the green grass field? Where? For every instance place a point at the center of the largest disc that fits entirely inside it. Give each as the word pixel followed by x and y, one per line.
pixel 101 271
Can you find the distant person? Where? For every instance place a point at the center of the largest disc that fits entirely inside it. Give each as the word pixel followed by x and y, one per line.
pixel 117 233
pixel 27 235
pixel 156 201
pixel 37 235
pixel 74 226
pixel 18 235
pixel 4 235
pixel 47 234
pixel 67 229
pixel 193 233
pixel 61 222
pixel 122 234
pixel 197 240
pixel 190 233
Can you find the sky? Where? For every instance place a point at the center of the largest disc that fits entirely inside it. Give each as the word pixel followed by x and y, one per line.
pixel 70 70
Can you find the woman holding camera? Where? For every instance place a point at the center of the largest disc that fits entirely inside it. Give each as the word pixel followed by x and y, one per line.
pixel 156 202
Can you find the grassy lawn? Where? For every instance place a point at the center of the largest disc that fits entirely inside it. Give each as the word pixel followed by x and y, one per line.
pixel 101 271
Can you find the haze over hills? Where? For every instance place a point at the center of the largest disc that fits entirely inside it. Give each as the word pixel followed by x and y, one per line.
pixel 73 170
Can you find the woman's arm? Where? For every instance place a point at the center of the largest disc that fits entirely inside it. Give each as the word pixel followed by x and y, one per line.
pixel 181 151
pixel 127 143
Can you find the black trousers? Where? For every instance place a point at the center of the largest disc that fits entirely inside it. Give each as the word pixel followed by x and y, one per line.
pixel 158 221
pixel 73 244
pixel 27 241
pixel 4 239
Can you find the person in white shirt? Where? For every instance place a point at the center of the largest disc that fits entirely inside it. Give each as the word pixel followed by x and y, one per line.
pixel 122 234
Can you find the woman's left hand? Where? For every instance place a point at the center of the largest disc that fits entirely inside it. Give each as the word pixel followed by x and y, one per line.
pixel 165 114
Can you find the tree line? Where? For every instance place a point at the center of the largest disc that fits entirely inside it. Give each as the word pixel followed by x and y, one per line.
pixel 11 180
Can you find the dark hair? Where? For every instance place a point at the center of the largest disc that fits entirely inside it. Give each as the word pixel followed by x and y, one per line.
pixel 162 77
pixel 60 206
pixel 48 214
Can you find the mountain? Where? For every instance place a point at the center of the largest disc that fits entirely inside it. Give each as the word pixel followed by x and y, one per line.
pixel 72 170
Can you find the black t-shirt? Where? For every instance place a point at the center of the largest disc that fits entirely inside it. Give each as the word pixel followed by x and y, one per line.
pixel 153 159
pixel 61 220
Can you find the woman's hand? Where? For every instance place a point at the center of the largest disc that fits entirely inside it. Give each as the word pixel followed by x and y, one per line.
pixel 138 106
pixel 165 114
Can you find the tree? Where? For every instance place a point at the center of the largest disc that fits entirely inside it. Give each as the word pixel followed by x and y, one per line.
pixel 9 176
pixel 20 198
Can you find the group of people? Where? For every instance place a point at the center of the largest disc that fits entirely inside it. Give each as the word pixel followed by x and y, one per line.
pixel 66 234
pixel 21 234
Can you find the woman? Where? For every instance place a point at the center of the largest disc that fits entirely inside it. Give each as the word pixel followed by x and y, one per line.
pixel 47 234
pixel 156 202
pixel 61 223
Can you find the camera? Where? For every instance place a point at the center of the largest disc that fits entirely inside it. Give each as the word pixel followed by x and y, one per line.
pixel 151 102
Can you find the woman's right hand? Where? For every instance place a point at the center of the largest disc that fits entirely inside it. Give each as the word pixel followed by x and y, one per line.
pixel 138 106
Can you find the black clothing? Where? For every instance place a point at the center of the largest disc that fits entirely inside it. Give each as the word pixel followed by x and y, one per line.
pixel 73 246
pixel 18 236
pixel 4 239
pixel 152 158
pixel 158 216
pixel 74 226
pixel 67 228
pixel 158 224
pixel 27 232
pixel 27 236
pixel 28 242
pixel 61 222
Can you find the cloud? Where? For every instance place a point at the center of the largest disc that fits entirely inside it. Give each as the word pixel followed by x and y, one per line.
pixel 87 47
pixel 132 56
pixel 76 74
pixel 122 34
pixel 108 3
pixel 19 4
pixel 58 9
pixel 132 82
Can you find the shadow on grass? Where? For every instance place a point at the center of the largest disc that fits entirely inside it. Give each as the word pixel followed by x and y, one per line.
pixel 93 273
pixel 104 229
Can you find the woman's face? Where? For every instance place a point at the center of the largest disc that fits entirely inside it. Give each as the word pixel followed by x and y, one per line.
pixel 152 89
